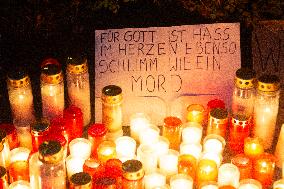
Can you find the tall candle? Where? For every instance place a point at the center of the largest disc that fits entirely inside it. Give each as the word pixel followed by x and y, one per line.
pixel 138 122
pixel 250 184
pixel 214 143
pixel 171 130
pixel 150 135
pixel 181 181
pixel 228 174
pixel 253 147
pixel 192 132
pixel 193 149
pixel 155 179
pixel 125 147
pixel 74 165
pixel 217 122
pixel 81 148
pixel 244 163
pixel 168 163
pixel 279 151
pixel 146 154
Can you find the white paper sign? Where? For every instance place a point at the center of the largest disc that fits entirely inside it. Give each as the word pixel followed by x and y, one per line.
pixel 162 70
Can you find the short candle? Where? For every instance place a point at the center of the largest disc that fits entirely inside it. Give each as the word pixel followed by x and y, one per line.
pixel 125 147
pixel 228 174
pixel 181 181
pixel 192 133
pixel 150 135
pixel 250 184
pixel 195 113
pixel 138 122
pixel 192 149
pixel 106 151
pixel 154 179
pixel 168 163
pixel 81 148
pixel 74 165
pixel 253 147
pixel 214 143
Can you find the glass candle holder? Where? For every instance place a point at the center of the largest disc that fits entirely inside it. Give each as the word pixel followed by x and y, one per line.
pixel 39 131
pixel 244 164
pixel 263 170
pixel 125 147
pixel 112 108
pixel 106 151
pixel 11 133
pixel 279 184
pixel 74 165
pixel 192 132
pixel 138 122
pixel 187 164
pixel 154 179
pixel 192 149
pixel 253 147
pixel 266 109
pixel 81 180
pixel 239 130
pixel 206 171
pixel 146 154
pixel 96 135
pixel 217 122
pixel 279 151
pixel 3 178
pixel 150 135
pixel 73 117
pixel 81 148
pixel 21 184
pixel 195 113
pixel 105 182
pixel 52 89
pixel 228 174
pixel 25 137
pixel 20 96
pixel 133 175
pixel 214 143
pixel 79 86
pixel 168 163
pixel 181 181
pixel 4 150
pixel 58 126
pixel 93 167
pixel 19 164
pixel 250 184
pixel 171 130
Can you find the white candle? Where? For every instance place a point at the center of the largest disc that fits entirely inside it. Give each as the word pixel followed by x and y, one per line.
pixel 279 151
pixel 192 149
pixel 279 184
pixel 181 181
pixel 217 158
pixel 149 135
pixel 250 184
pixel 192 132
pixel 162 146
pixel 209 185
pixel 24 137
pixel 21 184
pixel 146 154
pixel 168 163
pixel 125 147
pixel 81 148
pixel 214 143
pixel 19 154
pixel 138 122
pixel 228 174
pixel 154 179
pixel 74 165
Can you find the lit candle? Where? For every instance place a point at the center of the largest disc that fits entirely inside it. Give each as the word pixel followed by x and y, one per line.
pixel 162 146
pixel 209 185
pixel 150 135
pixel 279 150
pixel 228 174
pixel 93 167
pixel 106 151
pixel 217 122
pixel 21 184
pixel 217 158
pixel 154 179
pixel 146 154
pixel 250 184
pixel 11 132
pixel 125 147
pixel 24 137
pixel 171 130
pixel 96 135
pixel 74 165
pixel 181 181
pixel 214 143
pixel 168 163
pixel 253 147
pixel 195 113
pixel 279 184
pixel 244 164
pixel 187 165
pixel 138 122
pixel 192 133
pixel 192 149
pixel 81 148
pixel 206 171
pixel 4 150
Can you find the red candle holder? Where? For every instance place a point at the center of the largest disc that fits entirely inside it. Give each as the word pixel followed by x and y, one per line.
pixel 11 132
pixel 58 125
pixel 96 135
pixel 94 168
pixel 215 103
pixel 244 164
pixel 113 168
pixel 39 132
pixel 74 121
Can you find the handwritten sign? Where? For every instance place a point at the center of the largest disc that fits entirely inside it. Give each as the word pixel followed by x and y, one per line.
pixel 162 70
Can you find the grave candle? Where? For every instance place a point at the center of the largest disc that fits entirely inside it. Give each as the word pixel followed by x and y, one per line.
pixel 206 171
pixel 138 122
pixel 146 154
pixel 217 122
pixel 214 143
pixel 253 147
pixel 105 182
pixel 81 148
pixel 3 178
pixel 187 165
pixel 250 184
pixel 11 132
pixel 168 163
pixel 25 137
pixel 266 108
pixel 74 165
pixel 279 184
pixel 181 181
pixel 171 130
pixel 96 135
pixel 150 135
pixel 209 185
pixel 162 146
pixel 81 180
pixel 125 147
pixel 192 132
pixel 215 103
pixel 154 179
pixel 58 126
pixel 93 167
pixel 279 150
pixel 244 163
pixel 195 113
pixel 113 168
pixel 133 175
pixel 21 184
pixel 106 151
pixel 73 117
pixel 217 158
pixel 228 174
pixel 193 149
pixel 39 131
pixel 4 150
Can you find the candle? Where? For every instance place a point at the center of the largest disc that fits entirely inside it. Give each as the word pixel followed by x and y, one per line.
pixel 4 150
pixel 138 122
pixel 150 135
pixel 125 147
pixel 168 163
pixel 3 178
pixel 192 133
pixel 80 180
pixel 74 165
pixel 193 149
pixel 106 151
pixel 93 167
pixel 154 179
pixel 266 109
pixel 279 184
pixel 21 184
pixel 52 89
pixel 217 158
pixel 39 130
pixel 215 103
pixel 146 154
pixel 162 146
pixel 187 165
pixel 113 168
pixel 206 171
pixel 217 122
pixel 214 143
pixel 228 174
pixel 96 135
pixel 24 137
pixel 81 148
pixel 73 117
pixel 58 126
pixel 209 185
pixel 105 182
pixel 250 184
pixel 171 130
pixel 263 170
pixel 279 151
pixel 244 164
pixel 11 132
pixel 181 181
pixel 253 147
pixel 133 175
pixel 195 113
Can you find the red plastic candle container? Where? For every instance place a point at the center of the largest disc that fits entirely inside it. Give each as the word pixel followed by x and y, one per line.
pixel 215 103
pixel 94 168
pixel 239 130
pixel 113 168
pixel 244 164
pixel 96 134
pixel 39 132
pixel 11 132
pixel 74 121
pixel 58 125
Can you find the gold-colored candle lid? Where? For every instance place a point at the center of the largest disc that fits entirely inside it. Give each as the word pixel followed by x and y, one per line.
pixel 220 115
pixel 38 128
pixel 51 72
pixel 81 180
pixel 77 65
pixel 50 152
pixel 18 78
pixel 132 170
pixel 240 119
pixel 245 78
pixel 268 83
pixel 112 94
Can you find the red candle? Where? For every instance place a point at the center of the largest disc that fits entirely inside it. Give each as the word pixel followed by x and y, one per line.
pixel 217 122
pixel 113 168
pixel 74 121
pixel 96 135
pixel 39 132
pixel 11 135
pixel 58 125
pixel 106 182
pixel 215 103
pixel 94 168
pixel 244 164
pixel 239 130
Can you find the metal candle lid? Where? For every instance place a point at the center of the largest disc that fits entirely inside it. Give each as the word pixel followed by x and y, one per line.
pixel 51 72
pixel 219 115
pixel 112 94
pixel 50 152
pixel 245 78
pixel 77 65
pixel 268 83
pixel 18 78
pixel 82 180
pixel 132 170
pixel 39 127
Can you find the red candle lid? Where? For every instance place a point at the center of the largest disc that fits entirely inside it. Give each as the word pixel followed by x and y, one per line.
pixel 216 103
pixel 172 121
pixel 97 130
pixel 72 112
pixel 57 137
pixel 113 167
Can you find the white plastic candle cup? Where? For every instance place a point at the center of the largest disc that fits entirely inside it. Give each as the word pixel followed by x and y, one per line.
pixel 192 132
pixel 209 185
pixel 168 163
pixel 20 184
pixel 279 184
pixel 149 135
pixel 138 122
pixel 74 165
pixel 228 174
pixel 125 146
pixel 19 154
pixel 155 179
pixel 181 181
pixel 146 154
pixel 217 158
pixel 250 184
pixel 162 146
pixel 192 149
pixel 214 143
pixel 81 148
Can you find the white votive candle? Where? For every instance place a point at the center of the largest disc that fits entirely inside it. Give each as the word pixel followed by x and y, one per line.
pixel 19 154
pixel 125 147
pixel 138 122
pixel 192 133
pixel 168 163
pixel 181 181
pixel 192 149
pixel 81 148
pixel 279 184
pixel 162 146
pixel 228 174
pixel 150 135
pixel 217 158
pixel 214 143
pixel 21 184
pixel 209 185
pixel 154 179
pixel 146 154
pixel 250 184
pixel 74 165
